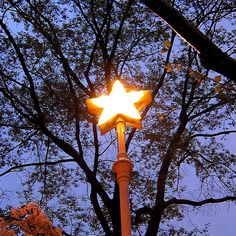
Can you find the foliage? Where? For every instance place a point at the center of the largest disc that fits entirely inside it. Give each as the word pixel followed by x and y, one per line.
pixel 56 54
pixel 29 219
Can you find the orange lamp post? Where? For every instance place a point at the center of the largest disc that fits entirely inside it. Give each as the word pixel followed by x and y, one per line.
pixel 117 110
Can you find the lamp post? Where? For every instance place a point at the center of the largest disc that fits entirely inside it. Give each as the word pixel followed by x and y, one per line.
pixel 117 110
pixel 123 168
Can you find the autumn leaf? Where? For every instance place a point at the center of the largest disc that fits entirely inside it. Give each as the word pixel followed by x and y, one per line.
pixel 161 117
pixel 200 80
pixel 168 67
pixel 196 75
pixel 164 50
pixel 217 89
pixel 31 220
pixel 167 43
pixel 14 213
pixel 178 68
pixel 217 78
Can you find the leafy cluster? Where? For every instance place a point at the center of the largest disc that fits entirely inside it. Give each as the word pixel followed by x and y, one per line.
pixel 28 219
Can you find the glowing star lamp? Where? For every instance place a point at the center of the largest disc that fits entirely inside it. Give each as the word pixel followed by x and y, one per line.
pixel 117 110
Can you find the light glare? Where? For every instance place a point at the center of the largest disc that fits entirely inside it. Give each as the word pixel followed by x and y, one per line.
pixel 118 102
pixel 119 106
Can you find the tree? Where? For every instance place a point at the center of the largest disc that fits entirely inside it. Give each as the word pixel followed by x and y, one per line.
pixel 211 56
pixel 55 55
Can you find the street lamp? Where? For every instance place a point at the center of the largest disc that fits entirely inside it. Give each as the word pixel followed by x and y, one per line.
pixel 118 109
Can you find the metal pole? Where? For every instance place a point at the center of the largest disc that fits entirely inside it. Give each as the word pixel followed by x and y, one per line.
pixel 123 168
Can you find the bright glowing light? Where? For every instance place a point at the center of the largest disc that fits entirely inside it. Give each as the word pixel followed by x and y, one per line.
pixel 119 104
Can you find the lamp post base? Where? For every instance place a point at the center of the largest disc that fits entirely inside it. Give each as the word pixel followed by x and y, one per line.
pixel 123 168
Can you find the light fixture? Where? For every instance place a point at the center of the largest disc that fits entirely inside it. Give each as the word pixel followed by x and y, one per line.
pixel 116 110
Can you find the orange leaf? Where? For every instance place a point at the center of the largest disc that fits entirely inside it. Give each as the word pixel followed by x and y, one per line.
pixel 167 43
pixel 217 89
pixel 164 50
pixel 168 67
pixel 217 78
pixel 14 213
pixel 161 117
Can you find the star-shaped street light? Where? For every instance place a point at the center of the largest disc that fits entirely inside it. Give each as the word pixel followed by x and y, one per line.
pixel 117 110
pixel 119 104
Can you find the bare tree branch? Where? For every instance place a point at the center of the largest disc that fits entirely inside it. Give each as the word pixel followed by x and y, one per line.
pixel 211 56
pixel 200 203
pixel 12 169
pixel 211 108
pixel 213 134
pixel 26 71
pixel 154 93
pixel 99 212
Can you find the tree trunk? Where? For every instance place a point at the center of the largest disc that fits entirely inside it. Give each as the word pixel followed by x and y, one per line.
pixel 154 223
pixel 115 217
